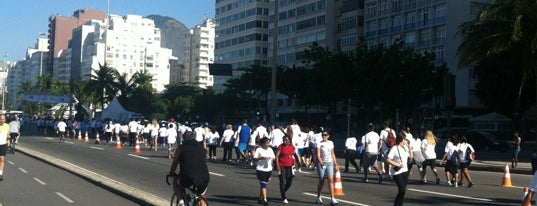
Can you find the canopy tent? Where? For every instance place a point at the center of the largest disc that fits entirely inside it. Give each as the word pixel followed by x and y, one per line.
pixel 117 113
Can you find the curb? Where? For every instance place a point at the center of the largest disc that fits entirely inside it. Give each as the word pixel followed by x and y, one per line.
pixel 491 167
pixel 132 193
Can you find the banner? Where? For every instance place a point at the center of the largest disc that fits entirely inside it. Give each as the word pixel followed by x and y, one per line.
pixel 47 98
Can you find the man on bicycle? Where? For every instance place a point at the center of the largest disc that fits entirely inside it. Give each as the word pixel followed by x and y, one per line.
pixel 4 143
pixel 193 169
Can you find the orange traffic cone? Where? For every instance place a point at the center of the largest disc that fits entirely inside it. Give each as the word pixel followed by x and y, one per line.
pixel 86 138
pixel 79 136
pixel 137 147
pixel 506 182
pixel 338 187
pixel 97 140
pixel 118 143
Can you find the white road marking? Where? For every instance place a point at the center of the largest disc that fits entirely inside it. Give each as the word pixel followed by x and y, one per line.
pixel 97 148
pixel 10 162
pixel 69 142
pixel 23 170
pixel 50 138
pixel 40 182
pixel 339 200
pixel 220 175
pixel 450 195
pixel 65 197
pixel 138 156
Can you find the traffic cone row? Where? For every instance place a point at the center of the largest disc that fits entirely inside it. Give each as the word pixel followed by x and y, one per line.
pixel 338 186
pixel 97 140
pixel 86 138
pixel 506 182
pixel 137 147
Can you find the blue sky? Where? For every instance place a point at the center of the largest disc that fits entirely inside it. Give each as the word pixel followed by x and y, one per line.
pixel 23 20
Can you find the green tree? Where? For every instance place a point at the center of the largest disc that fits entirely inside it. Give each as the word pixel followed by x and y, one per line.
pixel 503 27
pixel 103 85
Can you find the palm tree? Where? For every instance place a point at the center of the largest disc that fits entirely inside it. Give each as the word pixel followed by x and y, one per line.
pixel 103 84
pixel 503 27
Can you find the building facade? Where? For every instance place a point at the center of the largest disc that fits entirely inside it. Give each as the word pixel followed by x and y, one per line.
pixel 199 53
pixel 60 31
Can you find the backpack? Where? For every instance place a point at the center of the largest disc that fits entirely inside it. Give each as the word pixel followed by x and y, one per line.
pixel 390 140
pixel 470 156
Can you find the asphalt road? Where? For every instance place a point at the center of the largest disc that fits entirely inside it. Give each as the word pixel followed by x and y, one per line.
pixel 29 181
pixel 142 177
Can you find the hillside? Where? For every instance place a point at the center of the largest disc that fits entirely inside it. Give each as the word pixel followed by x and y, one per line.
pixel 172 34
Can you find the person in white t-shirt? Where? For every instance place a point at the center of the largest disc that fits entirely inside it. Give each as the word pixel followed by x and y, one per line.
pixel 372 147
pixel 428 145
pixel 398 158
pixel 326 164
pixel 350 152
pixel 265 157
pixel 61 129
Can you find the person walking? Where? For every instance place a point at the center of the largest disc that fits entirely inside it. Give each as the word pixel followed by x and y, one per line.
pixel 397 158
pixel 372 147
pixel 451 159
pixel 212 142
pixel 517 140
pixel 172 139
pixel 464 148
pixel 350 152
pixel 227 143
pixel 284 165
pixel 5 140
pixel 417 157
pixel 325 167
pixel 264 157
pixel 428 145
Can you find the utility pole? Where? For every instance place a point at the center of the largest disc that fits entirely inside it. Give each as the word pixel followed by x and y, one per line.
pixel 274 63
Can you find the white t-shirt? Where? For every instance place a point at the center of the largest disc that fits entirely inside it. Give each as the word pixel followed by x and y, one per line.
pixel 350 143
pixel 384 137
pixel 372 140
pixel 451 150
pixel 428 150
pixel 298 141
pixel 228 135
pixel 276 138
pixel 326 151
pixel 262 131
pixel 133 127
pixel 265 164
pixel 416 145
pixel 213 138
pixel 462 151
pixel 172 135
pixel 400 156
pixel 61 126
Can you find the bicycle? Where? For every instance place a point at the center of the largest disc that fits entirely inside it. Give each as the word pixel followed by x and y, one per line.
pixel 190 197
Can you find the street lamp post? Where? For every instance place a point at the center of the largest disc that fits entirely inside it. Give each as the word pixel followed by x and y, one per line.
pixel 274 63
pixel 41 51
pixel 4 83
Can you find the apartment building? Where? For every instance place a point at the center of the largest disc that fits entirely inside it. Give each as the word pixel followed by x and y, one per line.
pixel 199 53
pixel 426 25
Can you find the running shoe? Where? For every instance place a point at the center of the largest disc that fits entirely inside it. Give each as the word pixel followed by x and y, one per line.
pixel 319 201
pixel 334 202
pixel 285 201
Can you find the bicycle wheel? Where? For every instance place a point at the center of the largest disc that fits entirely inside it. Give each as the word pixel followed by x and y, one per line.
pixel 174 200
pixel 200 201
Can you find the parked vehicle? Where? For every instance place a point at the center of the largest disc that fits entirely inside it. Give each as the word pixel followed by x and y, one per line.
pixel 484 141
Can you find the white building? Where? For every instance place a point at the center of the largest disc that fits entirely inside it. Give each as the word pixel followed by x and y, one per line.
pixel 132 44
pixel 199 53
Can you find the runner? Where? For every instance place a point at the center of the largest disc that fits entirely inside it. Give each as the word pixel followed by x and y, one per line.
pixel 4 143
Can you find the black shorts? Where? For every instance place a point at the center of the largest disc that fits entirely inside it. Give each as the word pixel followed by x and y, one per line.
pixel 200 184
pixel 3 150
pixel 451 167
pixel 14 135
pixel 263 176
pixel 429 162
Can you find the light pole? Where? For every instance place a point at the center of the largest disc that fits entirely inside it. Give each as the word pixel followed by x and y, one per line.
pixel 274 63
pixel 41 51
pixel 4 83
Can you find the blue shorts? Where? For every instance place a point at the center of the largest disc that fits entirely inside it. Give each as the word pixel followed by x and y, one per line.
pixel 299 151
pixel 242 147
pixel 326 170
pixel 516 151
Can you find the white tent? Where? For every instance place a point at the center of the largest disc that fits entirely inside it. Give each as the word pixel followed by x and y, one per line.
pixel 117 113
pixel 491 122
